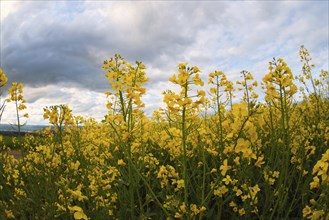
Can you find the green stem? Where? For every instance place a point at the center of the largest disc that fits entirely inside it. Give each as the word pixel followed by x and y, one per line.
pixel 184 150
pixel 203 179
pixel 151 190
pixel 220 130
pixel 184 155
pixel 246 88
pixel 18 122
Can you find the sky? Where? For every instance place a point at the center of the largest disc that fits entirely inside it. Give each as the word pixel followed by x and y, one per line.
pixel 57 48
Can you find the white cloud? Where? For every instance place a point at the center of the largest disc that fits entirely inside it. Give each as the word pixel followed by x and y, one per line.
pixel 82 102
pixel 8 7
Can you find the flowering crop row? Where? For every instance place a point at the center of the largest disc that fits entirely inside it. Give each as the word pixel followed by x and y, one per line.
pixel 201 157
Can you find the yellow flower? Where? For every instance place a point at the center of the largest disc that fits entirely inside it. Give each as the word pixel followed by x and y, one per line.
pixel 60 207
pixel 232 204
pixel 196 69
pixel 321 167
pixel 3 78
pixel 238 192
pixel 227 180
pixel 142 66
pixel 178 215
pixel 254 190
pixel 237 161
pixel 182 65
pixel 317 214
pixel 276 174
pixel 80 215
pixel 224 168
pixel 77 194
pixel 75 166
pixel 213 90
pixel 260 161
pixel 220 191
pixel 121 163
pixel 75 209
pixel 180 184
pixel 201 93
pixel 306 211
pixel 108 105
pixel 315 183
pixel 213 170
pixel 9 214
pixel 244 147
pixel 173 79
pixel 125 135
pixel 268 78
pixel 182 77
pixel 197 81
pixel 183 207
pixel 242 211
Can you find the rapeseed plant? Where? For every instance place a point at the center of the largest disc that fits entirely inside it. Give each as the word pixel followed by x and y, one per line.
pixel 16 96
pixel 251 159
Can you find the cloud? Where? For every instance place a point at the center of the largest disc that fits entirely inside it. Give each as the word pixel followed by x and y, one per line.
pixel 48 52
pixel 62 44
pixel 60 47
pixel 81 101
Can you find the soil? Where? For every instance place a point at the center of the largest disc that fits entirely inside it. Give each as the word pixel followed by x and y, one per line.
pixel 16 153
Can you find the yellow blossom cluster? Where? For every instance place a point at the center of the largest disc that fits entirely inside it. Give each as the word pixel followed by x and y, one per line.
pixel 15 93
pixel 3 78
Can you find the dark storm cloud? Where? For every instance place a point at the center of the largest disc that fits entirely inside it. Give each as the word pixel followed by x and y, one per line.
pixel 38 50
